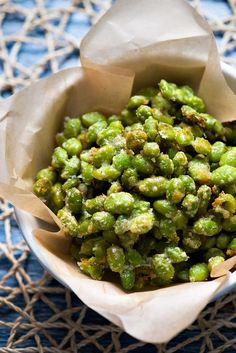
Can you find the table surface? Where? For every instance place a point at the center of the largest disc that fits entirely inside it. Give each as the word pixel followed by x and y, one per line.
pixel 37 314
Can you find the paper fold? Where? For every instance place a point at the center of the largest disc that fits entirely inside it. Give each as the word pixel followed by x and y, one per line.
pixel 134 45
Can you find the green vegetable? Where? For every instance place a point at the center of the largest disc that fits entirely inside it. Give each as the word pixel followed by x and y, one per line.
pixel 116 258
pixel 74 200
pixel 42 187
pixel 72 127
pixel 198 272
pixel 153 187
pixel 149 193
pixel 119 203
pixel 73 146
pixel 175 190
pixel 163 268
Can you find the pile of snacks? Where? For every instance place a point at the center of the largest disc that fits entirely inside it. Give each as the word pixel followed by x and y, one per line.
pixel 148 195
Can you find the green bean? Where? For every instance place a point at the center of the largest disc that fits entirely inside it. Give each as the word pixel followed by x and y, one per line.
pixel 135 139
pixel 103 155
pixel 74 200
pixel 94 130
pixel 70 183
pixel 224 175
pixel 129 178
pixel 59 157
pixel 217 150
pixel 143 112
pixel 189 184
pixel 47 173
pixel 213 252
pixel 92 268
pixel 165 165
pixel 190 205
pixel 162 118
pixel 122 161
pixel 224 204
pixel 106 136
pixel 229 224
pixel 69 222
pixel 86 227
pixel 175 191
pixel 229 158
pixel 95 204
pixel 204 194
pixel 115 187
pixel 73 146
pixel 142 223
pixel 231 249
pixel 168 229
pixel 148 92
pixel 89 119
pixel 72 127
pixel 182 95
pixel 86 248
pixel 180 220
pixel 161 103
pixel 99 249
pixel 103 220
pixel 87 172
pixel 106 173
pixel 175 254
pixel 142 165
pixel 206 226
pixel 116 258
pixel 140 206
pixel 199 170
pixel 71 168
pixel 151 128
pixel 128 117
pixel 166 132
pixel 60 138
pixel 113 118
pixel 134 258
pixel 198 272
pixel 136 101
pixel 151 149
pixel 180 163
pixel 75 252
pixel 153 187
pixel 57 197
pixel 128 239
pixel 183 274
pixel 165 208
pixel 215 261
pixel 191 241
pixel 127 277
pixel 208 242
pixel 162 267
pixel 119 203
pixel 42 187
pixel 202 146
pixel 184 137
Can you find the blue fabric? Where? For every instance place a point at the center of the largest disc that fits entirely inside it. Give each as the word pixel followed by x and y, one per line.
pixel 78 26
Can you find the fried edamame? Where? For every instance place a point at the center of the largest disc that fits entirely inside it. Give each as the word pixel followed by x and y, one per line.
pixel 148 194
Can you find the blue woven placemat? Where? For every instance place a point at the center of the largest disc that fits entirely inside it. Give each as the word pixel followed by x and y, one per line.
pixel 37 314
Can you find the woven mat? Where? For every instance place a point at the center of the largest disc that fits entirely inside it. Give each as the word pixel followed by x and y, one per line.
pixel 36 313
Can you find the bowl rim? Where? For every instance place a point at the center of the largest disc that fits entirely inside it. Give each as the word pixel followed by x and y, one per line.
pixel 27 222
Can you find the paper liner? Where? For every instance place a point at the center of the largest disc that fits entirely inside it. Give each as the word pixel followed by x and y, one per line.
pixel 134 45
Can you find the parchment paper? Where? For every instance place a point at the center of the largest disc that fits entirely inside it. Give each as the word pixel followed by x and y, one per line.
pixel 135 44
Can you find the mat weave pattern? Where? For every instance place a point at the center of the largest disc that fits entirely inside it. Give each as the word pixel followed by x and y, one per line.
pixel 37 314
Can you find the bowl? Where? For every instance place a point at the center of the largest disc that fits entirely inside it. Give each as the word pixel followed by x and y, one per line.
pixel 28 223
